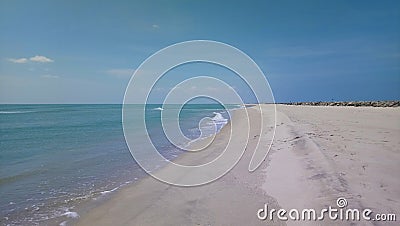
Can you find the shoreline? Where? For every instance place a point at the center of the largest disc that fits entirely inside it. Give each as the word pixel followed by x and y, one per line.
pixel 72 215
pixel 149 192
pixel 318 155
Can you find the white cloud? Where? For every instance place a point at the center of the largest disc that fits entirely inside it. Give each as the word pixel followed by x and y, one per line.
pixel 18 61
pixel 120 73
pixel 41 59
pixel 37 58
pixel 156 26
pixel 50 76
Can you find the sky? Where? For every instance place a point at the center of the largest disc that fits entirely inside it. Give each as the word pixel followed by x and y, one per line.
pixel 86 51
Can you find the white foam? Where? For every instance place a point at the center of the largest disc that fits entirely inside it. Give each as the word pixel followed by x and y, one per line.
pixel 71 214
pixel 109 191
pixel 64 223
pixel 15 112
pixel 219 119
pixel 158 109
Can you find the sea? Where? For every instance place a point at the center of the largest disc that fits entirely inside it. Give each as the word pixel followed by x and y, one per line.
pixel 56 157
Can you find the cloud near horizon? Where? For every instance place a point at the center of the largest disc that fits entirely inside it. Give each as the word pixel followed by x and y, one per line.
pixel 41 59
pixel 18 61
pixel 37 58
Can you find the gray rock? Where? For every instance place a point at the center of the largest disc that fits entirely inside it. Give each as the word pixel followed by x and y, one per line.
pixel 391 103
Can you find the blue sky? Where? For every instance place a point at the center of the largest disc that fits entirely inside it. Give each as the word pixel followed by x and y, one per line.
pixel 86 51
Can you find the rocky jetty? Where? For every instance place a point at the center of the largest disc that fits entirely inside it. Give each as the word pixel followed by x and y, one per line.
pixel 390 103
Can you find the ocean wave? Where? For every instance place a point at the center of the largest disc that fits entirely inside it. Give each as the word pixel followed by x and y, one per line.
pixel 71 214
pixel 212 127
pixel 16 112
pixel 219 119
pixel 116 188
pixel 109 191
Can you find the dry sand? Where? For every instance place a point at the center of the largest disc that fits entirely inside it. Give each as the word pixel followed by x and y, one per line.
pixel 318 155
pixel 322 153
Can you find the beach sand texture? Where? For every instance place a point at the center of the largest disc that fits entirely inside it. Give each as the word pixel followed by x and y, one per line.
pixel 319 154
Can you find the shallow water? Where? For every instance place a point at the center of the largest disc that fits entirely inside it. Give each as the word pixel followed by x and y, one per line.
pixel 52 157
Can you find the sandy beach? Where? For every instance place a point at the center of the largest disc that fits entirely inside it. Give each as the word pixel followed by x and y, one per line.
pixel 199 113
pixel 318 155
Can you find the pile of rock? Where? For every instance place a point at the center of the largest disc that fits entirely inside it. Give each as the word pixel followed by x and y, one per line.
pixel 390 103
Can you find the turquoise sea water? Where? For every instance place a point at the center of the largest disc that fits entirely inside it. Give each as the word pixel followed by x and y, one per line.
pixel 52 157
